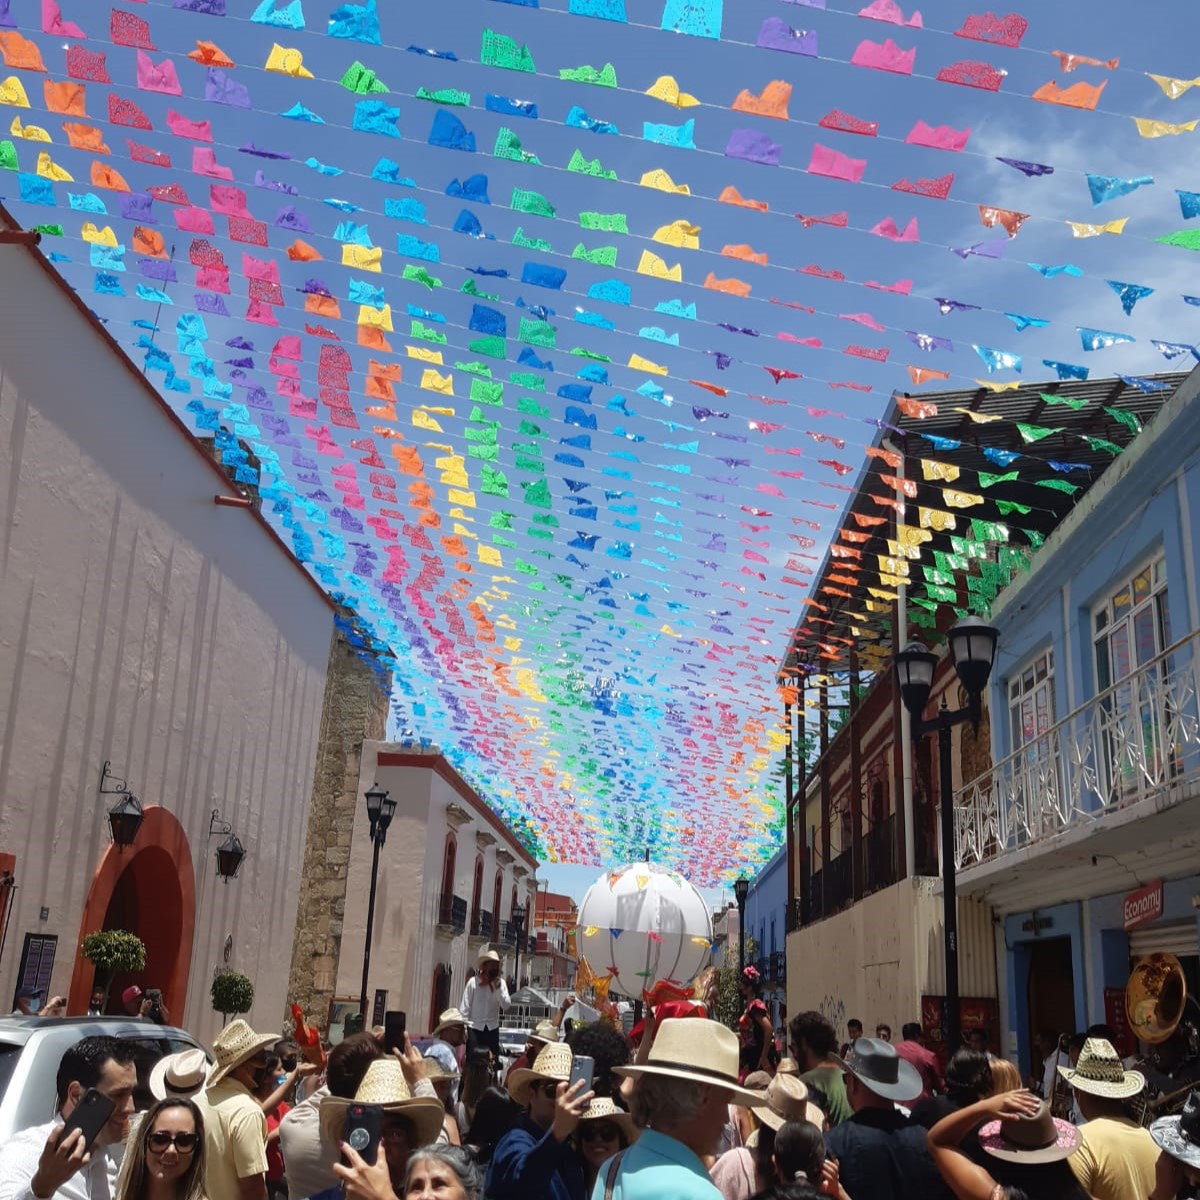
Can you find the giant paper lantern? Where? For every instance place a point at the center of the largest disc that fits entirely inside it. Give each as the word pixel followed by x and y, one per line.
pixel 644 926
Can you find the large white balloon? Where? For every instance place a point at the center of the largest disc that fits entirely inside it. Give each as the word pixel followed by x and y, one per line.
pixel 644 924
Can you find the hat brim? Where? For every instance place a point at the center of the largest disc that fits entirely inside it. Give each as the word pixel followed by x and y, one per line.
pixel 522 1077
pixel 1067 1143
pixel 744 1096
pixel 772 1120
pixel 908 1086
pixel 260 1042
pixel 1168 1136
pixel 440 1029
pixel 426 1113
pixel 622 1120
pixel 1133 1083
pixel 160 1089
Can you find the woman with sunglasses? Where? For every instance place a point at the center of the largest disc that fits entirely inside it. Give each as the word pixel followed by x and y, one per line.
pixel 164 1157
pixel 603 1130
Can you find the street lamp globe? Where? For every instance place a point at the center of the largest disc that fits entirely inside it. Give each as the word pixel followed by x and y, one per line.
pixel 741 889
pixel 973 644
pixel 914 673
pixel 380 810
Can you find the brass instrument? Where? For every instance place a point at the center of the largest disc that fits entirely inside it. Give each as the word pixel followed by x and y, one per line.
pixel 1156 1003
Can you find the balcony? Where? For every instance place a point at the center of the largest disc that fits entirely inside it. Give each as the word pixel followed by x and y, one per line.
pixel 505 936
pixel 481 924
pixel 778 967
pixel 452 915
pixel 764 965
pixel 831 888
pixel 1137 741
pixel 879 856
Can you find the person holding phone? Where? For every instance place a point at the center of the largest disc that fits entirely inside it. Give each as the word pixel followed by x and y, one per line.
pixel 164 1158
pixel 67 1158
pixel 484 998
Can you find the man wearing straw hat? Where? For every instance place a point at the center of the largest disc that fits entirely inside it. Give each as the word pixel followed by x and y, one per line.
pixel 681 1101
pixel 235 1130
pixel 1116 1156
pixel 484 997
pixel 536 1158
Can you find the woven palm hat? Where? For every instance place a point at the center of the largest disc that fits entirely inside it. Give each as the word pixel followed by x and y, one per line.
pixel 488 956
pixel 384 1084
pixel 553 1062
pixel 603 1109
pixel 546 1031
pixel 447 1020
pixel 234 1045
pixel 179 1076
pixel 787 1100
pixel 1100 1072
pixel 700 1051
pixel 787 1066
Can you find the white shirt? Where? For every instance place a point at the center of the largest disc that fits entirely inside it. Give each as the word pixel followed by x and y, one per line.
pixel 1050 1073
pixel 19 1163
pixel 481 1004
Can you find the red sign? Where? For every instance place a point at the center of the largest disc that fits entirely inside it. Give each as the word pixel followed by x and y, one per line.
pixel 1118 1021
pixel 1144 905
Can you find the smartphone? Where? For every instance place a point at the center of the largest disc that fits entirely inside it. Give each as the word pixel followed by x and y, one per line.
pixel 394 1024
pixel 364 1129
pixel 90 1115
pixel 582 1067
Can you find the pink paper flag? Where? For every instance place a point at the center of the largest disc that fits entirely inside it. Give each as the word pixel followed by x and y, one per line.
pixel 863 318
pixel 204 162
pixel 53 23
pixel 902 287
pixel 887 228
pixel 889 11
pixel 194 220
pixel 230 201
pixel 180 126
pixel 834 165
pixel 160 77
pixel 886 57
pixel 940 137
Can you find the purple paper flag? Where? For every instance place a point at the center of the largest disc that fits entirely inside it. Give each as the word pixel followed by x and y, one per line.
pixel 779 35
pixel 753 147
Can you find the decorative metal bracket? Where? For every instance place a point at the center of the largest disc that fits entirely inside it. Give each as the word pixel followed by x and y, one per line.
pixel 216 826
pixel 110 784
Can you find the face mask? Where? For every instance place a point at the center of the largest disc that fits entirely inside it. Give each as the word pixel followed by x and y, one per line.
pixel 280 1080
pixel 34 1005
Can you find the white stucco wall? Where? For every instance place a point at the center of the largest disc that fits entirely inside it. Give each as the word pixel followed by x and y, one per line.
pixel 141 623
pixel 406 946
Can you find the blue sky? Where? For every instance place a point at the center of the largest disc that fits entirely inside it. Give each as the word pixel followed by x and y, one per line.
pixel 610 686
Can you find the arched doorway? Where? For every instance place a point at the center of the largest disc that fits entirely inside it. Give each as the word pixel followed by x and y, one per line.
pixel 148 888
pixel 440 993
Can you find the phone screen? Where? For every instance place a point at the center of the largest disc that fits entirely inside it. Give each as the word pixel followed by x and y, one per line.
pixel 90 1116
pixel 394 1024
pixel 582 1067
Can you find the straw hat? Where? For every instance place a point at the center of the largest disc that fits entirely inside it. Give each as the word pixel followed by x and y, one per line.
pixel 436 1067
pixel 488 956
pixel 384 1084
pixel 787 1066
pixel 447 1020
pixel 553 1062
pixel 1037 1139
pixel 787 1100
pixel 1099 1072
pixel 698 1050
pixel 179 1076
pixel 234 1045
pixel 546 1031
pixel 603 1109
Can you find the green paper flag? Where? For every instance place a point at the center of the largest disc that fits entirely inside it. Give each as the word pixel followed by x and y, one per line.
pixel 471 290
pixel 604 222
pixel 1058 485
pixel 446 96
pixel 585 166
pixel 1188 239
pixel 605 77
pixel 8 156
pixel 508 145
pixel 533 203
pixel 537 333
pixel 987 480
pixel 1128 419
pixel 528 243
pixel 1034 433
pixel 1007 507
pixel 420 275
pixel 1097 443
pixel 496 50
pixel 361 80
pixel 1070 401
pixel 601 256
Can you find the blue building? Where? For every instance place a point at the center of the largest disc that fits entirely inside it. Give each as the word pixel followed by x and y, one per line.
pixel 1084 834
pixel 766 923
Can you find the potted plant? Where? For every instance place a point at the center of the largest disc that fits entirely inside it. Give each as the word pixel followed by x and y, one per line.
pixel 112 952
pixel 232 993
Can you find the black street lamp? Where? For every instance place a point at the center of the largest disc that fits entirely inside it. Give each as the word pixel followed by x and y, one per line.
pixel 380 810
pixel 973 644
pixel 517 917
pixel 125 819
pixel 741 889
pixel 230 855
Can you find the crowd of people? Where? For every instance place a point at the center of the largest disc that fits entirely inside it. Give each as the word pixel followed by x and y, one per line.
pixel 686 1110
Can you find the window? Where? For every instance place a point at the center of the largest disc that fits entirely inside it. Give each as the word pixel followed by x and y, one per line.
pixel 1031 700
pixel 448 858
pixel 477 889
pixel 772 935
pixel 496 904
pixel 37 964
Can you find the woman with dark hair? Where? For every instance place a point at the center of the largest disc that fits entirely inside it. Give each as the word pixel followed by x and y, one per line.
pixel 604 1129
pixel 754 1026
pixel 968 1079
pixel 1027 1148
pixel 164 1156
pixel 495 1115
pixel 800 1158
pixel 606 1047
pixel 477 1077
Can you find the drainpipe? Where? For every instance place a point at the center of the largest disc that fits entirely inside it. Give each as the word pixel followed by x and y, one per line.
pixel 901 640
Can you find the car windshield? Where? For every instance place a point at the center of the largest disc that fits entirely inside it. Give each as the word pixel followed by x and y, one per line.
pixel 9 1054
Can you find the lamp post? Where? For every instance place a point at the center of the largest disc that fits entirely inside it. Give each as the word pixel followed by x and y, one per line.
pixel 741 889
pixel 517 917
pixel 380 810
pixel 973 644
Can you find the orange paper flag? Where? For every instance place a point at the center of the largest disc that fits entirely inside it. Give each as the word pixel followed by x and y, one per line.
pixel 1078 95
pixel 920 375
pixel 209 54
pixel 105 177
pixel 771 102
pixel 66 97
pixel 85 137
pixel 731 195
pixel 20 52
pixel 733 287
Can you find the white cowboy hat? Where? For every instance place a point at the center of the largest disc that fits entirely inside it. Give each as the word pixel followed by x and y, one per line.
pixel 179 1076
pixel 603 1109
pixel 234 1045
pixel 553 1062
pixel 1100 1072
pixel 546 1031
pixel 699 1050
pixel 384 1084
pixel 488 956
pixel 449 1018
pixel 787 1100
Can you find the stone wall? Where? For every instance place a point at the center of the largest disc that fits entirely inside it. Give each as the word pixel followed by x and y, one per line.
pixel 355 709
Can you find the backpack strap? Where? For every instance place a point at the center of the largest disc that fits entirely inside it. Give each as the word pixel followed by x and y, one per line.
pixel 610 1179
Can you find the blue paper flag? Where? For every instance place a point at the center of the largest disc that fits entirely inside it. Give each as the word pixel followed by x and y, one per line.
pixel 88 202
pixel 36 190
pixel 1144 384
pixel 1066 370
pixel 291 16
pixel 467 222
pixel 299 113
pixel 1002 458
pixel 107 258
pixel 357 22
pixel 374 116
pixel 322 168
pixel 448 55
pixel 412 247
pixel 1129 293
pixel 680 136
pixel 511 108
pixel 155 295
pixel 604 10
pixel 1023 322
pixel 405 209
pixel 448 131
pixel 578 119
pixel 107 285
pixel 1109 187
pixel 1101 339
pixel 1189 204
pixel 998 360
pixel 612 290
pixel 1051 272
pixel 943 443
pixel 474 188
pixel 1170 350
pixel 698 18
pixel 488 321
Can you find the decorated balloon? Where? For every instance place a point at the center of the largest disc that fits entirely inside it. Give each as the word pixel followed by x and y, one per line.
pixel 644 926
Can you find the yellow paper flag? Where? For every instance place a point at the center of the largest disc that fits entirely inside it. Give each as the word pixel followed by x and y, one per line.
pixel 679 233
pixel 377 318
pixel 1157 129
pixel 651 264
pixel 424 354
pixel 665 88
pixel 1174 88
pixel 287 62
pixel 98 237
pixel 938 470
pixel 933 518
pixel 47 168
pixel 362 258
pixel 433 381
pixel 662 182
pixel 638 363
pixel 12 93
pixel 1081 229
pixel 955 499
pixel 978 417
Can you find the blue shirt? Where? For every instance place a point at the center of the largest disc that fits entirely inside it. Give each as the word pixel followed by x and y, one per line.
pixel 657 1167
pixel 530 1162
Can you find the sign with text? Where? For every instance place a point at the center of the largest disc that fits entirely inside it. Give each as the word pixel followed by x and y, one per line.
pixel 1117 1020
pixel 1144 905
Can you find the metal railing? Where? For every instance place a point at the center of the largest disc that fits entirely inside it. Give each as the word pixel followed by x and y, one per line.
pixel 879 857
pixel 1138 739
pixel 481 923
pixel 452 913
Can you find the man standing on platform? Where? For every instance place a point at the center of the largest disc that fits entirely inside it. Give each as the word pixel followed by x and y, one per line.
pixel 484 997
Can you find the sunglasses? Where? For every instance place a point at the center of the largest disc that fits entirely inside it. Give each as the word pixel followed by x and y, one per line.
pixel 160 1139
pixel 599 1131
pixel 547 1087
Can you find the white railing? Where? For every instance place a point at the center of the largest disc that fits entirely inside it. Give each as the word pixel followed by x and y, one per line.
pixel 1139 739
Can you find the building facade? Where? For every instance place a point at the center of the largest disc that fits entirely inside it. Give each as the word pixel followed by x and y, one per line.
pixel 766 922
pixel 551 959
pixel 1084 837
pixel 450 876
pixel 150 630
